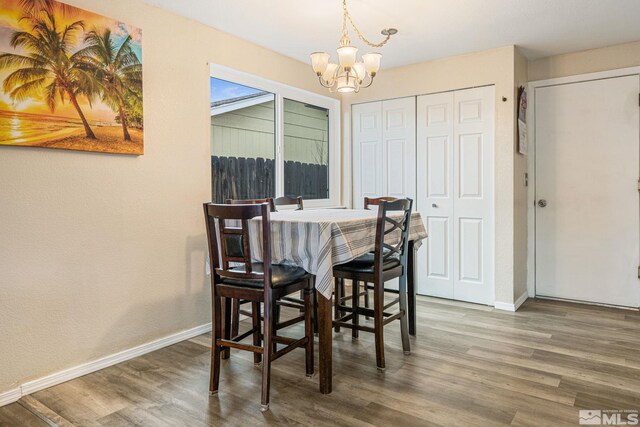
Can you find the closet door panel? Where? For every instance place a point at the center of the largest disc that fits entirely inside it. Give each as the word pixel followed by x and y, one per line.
pixel 399 140
pixel 368 153
pixel 473 205
pixel 399 136
pixel 455 193
pixel 434 199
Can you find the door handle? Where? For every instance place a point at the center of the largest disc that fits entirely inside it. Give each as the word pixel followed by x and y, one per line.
pixel 542 203
pixel 433 205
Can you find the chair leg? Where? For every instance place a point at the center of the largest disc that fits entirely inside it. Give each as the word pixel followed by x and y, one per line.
pixel 275 319
pixel 302 298
pixel 267 347
pixel 255 311
pixel 235 317
pixel 214 377
pixel 366 298
pixel 227 326
pixel 355 305
pixel 276 314
pixel 404 323
pixel 308 328
pixel 338 296
pixel 378 319
pixel 315 306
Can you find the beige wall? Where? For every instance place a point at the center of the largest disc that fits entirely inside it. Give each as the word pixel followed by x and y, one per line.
pixel 520 206
pixel 587 61
pixel 492 67
pixel 98 252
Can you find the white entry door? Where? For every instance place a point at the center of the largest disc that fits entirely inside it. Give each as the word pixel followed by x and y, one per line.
pixel 587 212
pixel 384 146
pixel 455 142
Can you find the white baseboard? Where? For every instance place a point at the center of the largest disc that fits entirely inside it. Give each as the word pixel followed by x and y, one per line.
pixel 512 307
pixel 103 362
pixel 10 396
pixel 521 299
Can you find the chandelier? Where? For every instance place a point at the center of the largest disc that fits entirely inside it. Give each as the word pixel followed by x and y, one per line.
pixel 349 74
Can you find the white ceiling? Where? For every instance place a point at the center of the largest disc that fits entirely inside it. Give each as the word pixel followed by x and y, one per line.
pixel 428 29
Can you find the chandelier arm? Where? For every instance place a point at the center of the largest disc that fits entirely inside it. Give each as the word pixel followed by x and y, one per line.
pixel 346 16
pixel 322 83
pixel 370 82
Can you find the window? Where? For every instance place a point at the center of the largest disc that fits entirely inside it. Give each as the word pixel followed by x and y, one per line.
pixel 269 140
pixel 306 150
pixel 243 145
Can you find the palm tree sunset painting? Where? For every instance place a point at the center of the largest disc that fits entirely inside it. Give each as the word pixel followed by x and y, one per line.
pixel 69 79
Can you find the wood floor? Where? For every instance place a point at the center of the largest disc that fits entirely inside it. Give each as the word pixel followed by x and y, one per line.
pixel 470 365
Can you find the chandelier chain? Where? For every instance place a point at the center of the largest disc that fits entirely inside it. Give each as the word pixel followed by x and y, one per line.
pixel 346 16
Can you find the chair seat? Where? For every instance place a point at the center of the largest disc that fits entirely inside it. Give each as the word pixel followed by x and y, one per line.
pixel 281 275
pixel 364 264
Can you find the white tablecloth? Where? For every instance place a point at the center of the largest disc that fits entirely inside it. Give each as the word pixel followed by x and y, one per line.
pixel 316 240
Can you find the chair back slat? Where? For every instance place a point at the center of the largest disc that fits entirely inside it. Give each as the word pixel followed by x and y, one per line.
pixel 375 201
pixel 233 242
pixel 230 244
pixel 388 243
pixel 394 225
pixel 268 200
pixel 289 201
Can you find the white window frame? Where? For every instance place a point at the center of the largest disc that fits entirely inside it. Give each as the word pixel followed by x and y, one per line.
pixel 282 91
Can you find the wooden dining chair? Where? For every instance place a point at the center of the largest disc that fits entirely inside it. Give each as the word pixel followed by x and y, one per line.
pixel 368 202
pixel 387 262
pixel 236 306
pixel 255 282
pixel 289 201
pixel 340 289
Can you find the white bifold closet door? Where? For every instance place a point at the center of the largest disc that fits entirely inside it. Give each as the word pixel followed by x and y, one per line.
pixel 455 143
pixel 384 147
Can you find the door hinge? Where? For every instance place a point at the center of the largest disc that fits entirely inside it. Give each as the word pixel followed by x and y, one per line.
pixel 638 272
pixel 638 185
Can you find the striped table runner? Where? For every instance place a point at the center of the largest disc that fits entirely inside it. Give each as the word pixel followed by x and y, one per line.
pixel 316 240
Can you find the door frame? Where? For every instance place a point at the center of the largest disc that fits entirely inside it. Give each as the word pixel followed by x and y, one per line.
pixel 531 191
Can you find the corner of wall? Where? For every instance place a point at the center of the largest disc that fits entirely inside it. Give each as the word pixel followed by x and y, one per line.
pixel 520 188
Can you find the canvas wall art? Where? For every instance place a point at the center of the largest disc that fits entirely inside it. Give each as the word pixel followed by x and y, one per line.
pixel 69 79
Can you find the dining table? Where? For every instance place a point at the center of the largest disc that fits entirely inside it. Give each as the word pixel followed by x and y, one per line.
pixel 317 240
